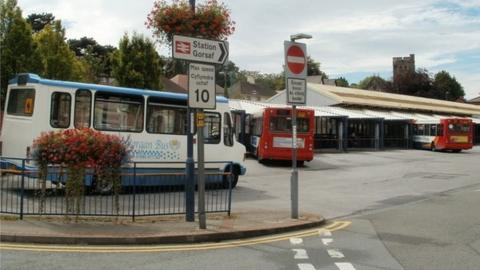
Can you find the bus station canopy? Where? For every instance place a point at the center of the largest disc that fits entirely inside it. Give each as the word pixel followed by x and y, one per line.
pixel 343 96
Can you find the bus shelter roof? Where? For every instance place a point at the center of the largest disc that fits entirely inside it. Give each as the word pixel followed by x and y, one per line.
pixel 387 115
pixel 350 113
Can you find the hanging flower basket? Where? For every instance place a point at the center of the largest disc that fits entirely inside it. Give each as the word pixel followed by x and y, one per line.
pixel 210 20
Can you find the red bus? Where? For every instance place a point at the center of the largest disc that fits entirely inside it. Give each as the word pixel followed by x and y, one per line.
pixel 455 134
pixel 271 134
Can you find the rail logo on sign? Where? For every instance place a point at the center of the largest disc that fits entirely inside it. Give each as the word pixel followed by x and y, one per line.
pixel 182 47
pixel 296 61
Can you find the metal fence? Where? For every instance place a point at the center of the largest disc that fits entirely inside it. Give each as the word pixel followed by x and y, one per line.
pixel 147 189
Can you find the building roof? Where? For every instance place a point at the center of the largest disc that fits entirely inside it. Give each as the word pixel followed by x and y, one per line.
pixel 247 88
pixel 171 86
pixel 475 100
pixel 357 97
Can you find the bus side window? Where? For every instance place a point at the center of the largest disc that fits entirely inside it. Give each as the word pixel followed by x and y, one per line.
pixel 116 112
pixel 60 110
pixel 433 130
pixel 83 104
pixel 227 130
pixel 21 102
pixel 165 119
pixel 211 131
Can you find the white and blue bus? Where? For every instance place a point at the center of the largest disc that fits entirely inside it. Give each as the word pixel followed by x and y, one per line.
pixel 155 122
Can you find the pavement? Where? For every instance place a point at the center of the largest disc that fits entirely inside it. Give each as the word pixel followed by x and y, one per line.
pixel 151 230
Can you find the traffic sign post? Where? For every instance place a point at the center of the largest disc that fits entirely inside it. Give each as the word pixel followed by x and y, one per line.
pixel 201 95
pixel 295 76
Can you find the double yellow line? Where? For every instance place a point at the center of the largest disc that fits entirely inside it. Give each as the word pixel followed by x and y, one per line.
pixel 334 226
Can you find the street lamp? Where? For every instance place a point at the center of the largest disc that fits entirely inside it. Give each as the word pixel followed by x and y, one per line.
pixel 300 36
pixel 225 74
pixel 294 177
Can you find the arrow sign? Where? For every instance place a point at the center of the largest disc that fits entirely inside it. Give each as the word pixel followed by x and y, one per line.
pixel 199 50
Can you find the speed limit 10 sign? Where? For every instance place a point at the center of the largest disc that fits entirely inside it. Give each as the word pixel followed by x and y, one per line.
pixel 201 86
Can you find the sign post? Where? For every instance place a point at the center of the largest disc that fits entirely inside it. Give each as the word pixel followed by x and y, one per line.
pixel 295 76
pixel 201 95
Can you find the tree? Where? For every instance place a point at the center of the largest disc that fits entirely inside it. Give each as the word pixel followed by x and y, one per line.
pixel 232 74
pixel 137 63
pixel 58 60
pixel 447 87
pixel 375 83
pixel 38 21
pixel 18 50
pixel 210 20
pixel 313 68
pixel 416 83
pixel 98 57
pixel 342 82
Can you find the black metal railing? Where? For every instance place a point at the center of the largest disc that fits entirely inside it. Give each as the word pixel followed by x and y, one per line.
pixel 147 189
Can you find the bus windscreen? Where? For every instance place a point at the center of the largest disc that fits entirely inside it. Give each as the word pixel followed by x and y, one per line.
pixel 284 124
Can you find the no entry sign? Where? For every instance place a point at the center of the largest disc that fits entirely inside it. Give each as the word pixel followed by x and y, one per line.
pixel 295 60
pixel 296 72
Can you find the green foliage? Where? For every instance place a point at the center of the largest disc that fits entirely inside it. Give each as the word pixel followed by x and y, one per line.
pixel 231 71
pixel 99 58
pixel 59 62
pixel 342 82
pixel 447 87
pixel 313 68
pixel 374 82
pixel 38 21
pixel 416 83
pixel 137 63
pixel 18 50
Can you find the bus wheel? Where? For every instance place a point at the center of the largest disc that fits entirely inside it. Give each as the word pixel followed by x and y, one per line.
pixel 234 180
pixel 457 150
pixel 102 187
pixel 432 146
pixel 300 163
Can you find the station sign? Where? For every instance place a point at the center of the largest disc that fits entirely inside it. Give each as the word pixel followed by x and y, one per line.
pixel 199 50
pixel 201 86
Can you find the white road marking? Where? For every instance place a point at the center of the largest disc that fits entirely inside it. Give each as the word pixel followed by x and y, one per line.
pixel 327 241
pixel 300 253
pixel 323 232
pixel 296 240
pixel 345 266
pixel 305 266
pixel 335 253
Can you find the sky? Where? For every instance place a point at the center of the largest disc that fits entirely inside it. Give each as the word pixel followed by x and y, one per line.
pixel 351 38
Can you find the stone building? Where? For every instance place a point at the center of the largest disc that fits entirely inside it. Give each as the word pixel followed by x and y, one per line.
pixel 403 65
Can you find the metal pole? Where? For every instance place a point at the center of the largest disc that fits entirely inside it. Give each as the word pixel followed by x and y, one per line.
pixel 225 89
pixel 201 171
pixel 22 194
pixel 190 167
pixel 294 177
pixel 134 189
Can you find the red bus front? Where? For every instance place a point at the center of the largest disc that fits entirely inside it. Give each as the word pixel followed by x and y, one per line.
pixel 276 138
pixel 457 134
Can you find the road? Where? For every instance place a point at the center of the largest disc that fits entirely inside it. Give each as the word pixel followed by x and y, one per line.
pixel 408 210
